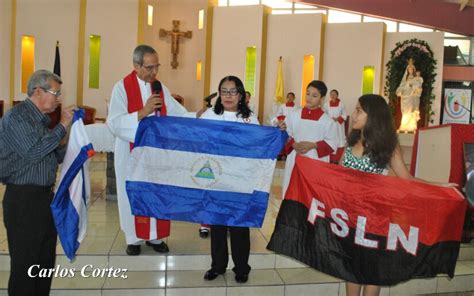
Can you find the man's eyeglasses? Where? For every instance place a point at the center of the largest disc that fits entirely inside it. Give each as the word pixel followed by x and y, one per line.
pixel 150 68
pixel 232 92
pixel 54 93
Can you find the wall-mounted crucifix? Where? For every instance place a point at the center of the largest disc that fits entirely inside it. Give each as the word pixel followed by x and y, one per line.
pixel 175 36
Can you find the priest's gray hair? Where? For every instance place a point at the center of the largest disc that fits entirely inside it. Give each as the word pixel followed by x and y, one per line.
pixel 140 52
pixel 42 79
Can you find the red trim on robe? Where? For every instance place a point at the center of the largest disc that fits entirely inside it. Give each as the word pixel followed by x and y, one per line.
pixel 288 146
pixel 132 88
pixel 314 114
pixel 323 149
pixel 335 157
pixel 135 103
pixel 340 119
pixel 290 104
pixel 334 104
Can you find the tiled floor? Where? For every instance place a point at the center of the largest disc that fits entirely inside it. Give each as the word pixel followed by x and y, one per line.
pixel 181 271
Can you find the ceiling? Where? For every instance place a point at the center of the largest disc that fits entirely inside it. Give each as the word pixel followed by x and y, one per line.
pixel 462 3
pixel 454 16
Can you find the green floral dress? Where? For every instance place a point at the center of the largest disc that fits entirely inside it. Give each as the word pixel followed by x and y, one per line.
pixel 363 163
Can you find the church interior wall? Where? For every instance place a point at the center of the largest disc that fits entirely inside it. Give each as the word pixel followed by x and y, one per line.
pixel 118 32
pixel 5 29
pixel 291 36
pixel 436 42
pixel 348 48
pixel 235 29
pixel 49 22
pixel 181 81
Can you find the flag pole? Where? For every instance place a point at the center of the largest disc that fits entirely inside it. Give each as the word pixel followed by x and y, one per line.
pixel 57 61
pixel 279 85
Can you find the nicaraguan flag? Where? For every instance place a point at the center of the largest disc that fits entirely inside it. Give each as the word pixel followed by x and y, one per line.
pixel 69 206
pixel 203 171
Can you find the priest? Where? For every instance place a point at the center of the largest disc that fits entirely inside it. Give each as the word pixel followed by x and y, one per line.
pixel 136 96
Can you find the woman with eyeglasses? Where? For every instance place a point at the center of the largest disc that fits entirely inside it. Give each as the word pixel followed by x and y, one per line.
pixel 230 106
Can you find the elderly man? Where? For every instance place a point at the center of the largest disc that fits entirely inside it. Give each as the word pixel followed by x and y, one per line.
pixel 34 153
pixel 132 100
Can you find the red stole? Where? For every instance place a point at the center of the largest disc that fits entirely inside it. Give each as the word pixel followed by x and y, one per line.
pixel 313 114
pixel 334 104
pixel 290 104
pixel 135 103
pixel 134 95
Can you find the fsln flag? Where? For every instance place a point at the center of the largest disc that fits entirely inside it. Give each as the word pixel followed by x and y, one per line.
pixel 366 228
pixel 203 171
pixel 279 87
pixel 69 206
pixel 57 61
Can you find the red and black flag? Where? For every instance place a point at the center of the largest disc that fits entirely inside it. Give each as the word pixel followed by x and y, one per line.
pixel 367 228
pixel 57 61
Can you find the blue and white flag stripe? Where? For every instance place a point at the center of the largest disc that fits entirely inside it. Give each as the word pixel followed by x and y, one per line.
pixel 257 173
pixel 199 206
pixel 203 171
pixel 224 138
pixel 69 206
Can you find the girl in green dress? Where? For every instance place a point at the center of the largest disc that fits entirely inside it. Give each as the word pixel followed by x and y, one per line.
pixel 372 146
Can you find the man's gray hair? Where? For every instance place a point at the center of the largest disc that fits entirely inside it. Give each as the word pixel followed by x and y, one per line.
pixel 140 52
pixel 42 79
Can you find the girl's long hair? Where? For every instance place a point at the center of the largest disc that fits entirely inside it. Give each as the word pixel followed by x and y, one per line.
pixel 379 137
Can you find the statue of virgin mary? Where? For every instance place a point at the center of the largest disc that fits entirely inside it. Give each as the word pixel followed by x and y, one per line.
pixel 410 91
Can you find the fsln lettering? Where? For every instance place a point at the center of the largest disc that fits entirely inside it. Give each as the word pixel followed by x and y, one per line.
pixel 340 228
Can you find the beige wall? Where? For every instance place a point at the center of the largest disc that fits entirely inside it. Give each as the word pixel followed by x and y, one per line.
pixel 436 42
pixel 289 37
pixel 118 31
pixel 433 161
pixel 182 80
pixel 49 21
pixel 348 48
pixel 5 28
pixel 235 29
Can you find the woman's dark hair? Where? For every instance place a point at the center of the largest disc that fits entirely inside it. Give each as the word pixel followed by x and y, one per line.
pixel 290 93
pixel 248 93
pixel 379 137
pixel 334 90
pixel 320 86
pixel 242 108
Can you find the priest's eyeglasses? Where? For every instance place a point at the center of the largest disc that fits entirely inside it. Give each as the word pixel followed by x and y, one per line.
pixel 232 92
pixel 150 68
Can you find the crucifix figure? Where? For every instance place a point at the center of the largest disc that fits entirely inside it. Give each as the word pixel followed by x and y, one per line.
pixel 175 35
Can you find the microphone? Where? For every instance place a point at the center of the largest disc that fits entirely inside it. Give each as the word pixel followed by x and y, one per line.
pixel 462 106
pixel 156 88
pixel 209 98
